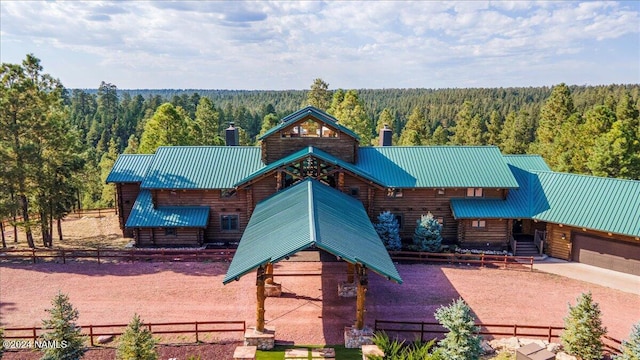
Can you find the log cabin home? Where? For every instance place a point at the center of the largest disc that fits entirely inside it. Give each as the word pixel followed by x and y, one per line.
pixel 206 195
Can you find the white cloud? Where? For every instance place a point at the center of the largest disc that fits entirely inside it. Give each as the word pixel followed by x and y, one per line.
pixel 285 44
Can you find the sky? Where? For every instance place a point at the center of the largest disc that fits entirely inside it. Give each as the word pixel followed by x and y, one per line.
pixel 280 45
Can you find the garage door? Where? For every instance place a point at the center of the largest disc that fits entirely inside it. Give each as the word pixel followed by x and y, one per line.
pixel 608 254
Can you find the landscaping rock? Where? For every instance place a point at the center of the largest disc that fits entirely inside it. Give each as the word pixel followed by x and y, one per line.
pixel 525 342
pixel 105 339
pixel 554 347
pixel 564 356
pixel 486 348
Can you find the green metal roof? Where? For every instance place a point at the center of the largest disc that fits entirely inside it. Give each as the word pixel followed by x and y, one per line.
pixel 305 215
pixel 437 166
pixel 129 168
pixel 596 203
pixel 201 167
pixel 519 202
pixel 316 113
pixel 303 153
pixel 143 214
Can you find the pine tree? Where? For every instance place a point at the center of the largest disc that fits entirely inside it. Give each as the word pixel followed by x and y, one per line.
pixel 460 343
pixel 469 127
pixel 205 129
pixel 137 342
pixel 64 333
pixel 494 129
pixel 351 114
pixel 167 127
pixel 319 96
pixel 440 136
pixel 415 131
pixel 616 153
pixel 631 348
pixel 106 163
pixel 516 134
pixel 385 118
pixel 270 121
pixel 388 230
pixel 584 329
pixel 427 235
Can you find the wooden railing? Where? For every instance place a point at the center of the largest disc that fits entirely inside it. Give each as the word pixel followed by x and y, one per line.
pixel 102 255
pixel 539 238
pixel 195 328
pixel 513 243
pixel 410 329
pixel 503 261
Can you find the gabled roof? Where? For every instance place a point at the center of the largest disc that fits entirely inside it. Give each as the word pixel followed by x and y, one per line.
pixel 201 167
pixel 305 215
pixel 309 111
pixel 519 202
pixel 129 168
pixel 437 166
pixel 596 203
pixel 317 153
pixel 143 214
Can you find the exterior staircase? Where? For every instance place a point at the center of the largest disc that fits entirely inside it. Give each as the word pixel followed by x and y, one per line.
pixel 527 248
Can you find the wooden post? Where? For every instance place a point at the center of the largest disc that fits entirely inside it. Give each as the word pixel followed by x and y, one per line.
pixel 351 269
pixel 341 182
pixel 269 274
pixel 260 299
pixel 278 180
pixel 360 300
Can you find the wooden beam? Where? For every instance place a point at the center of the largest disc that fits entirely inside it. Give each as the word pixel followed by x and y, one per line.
pixel 269 274
pixel 351 269
pixel 260 276
pixel 361 294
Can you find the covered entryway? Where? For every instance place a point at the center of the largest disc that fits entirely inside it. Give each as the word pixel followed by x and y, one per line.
pixel 310 215
pixel 606 253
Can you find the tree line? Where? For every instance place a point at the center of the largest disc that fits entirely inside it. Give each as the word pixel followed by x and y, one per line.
pixel 58 145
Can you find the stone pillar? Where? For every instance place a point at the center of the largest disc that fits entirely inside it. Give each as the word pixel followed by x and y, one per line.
pixel 271 288
pixel 347 289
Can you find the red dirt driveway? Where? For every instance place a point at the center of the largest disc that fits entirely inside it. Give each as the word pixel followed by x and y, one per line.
pixel 309 312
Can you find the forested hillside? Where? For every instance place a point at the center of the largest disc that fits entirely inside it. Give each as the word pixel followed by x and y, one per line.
pixel 58 145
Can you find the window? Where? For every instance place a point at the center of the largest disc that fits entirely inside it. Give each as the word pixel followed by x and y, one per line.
pixel 394 193
pixel 440 220
pixel 227 193
pixel 171 231
pixel 229 222
pixel 354 191
pixel 478 224
pixel 474 192
pixel 310 128
pixel 440 192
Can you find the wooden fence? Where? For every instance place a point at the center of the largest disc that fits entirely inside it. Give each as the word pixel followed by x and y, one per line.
pixel 410 330
pixel 195 328
pixel 132 255
pixel 503 261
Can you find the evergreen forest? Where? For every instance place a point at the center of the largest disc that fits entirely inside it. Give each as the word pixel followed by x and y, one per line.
pixel 57 145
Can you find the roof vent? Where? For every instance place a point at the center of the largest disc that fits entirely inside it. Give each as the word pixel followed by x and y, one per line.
pixel 386 135
pixel 231 135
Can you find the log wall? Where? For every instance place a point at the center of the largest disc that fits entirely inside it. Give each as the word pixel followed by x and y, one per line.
pixel 157 237
pixel 126 195
pixel 561 248
pixel 496 233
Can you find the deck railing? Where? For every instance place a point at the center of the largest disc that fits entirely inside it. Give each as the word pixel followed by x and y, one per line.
pixel 539 238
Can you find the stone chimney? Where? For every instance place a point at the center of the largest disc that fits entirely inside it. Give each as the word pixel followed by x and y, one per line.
pixel 231 136
pixel 386 135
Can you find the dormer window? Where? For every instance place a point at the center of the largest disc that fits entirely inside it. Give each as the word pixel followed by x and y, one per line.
pixel 394 193
pixel 310 128
pixel 474 192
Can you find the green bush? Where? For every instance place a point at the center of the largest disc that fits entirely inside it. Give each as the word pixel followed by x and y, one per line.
pixel 398 350
pixel 461 342
pixel 64 341
pixel 427 235
pixel 137 342
pixel 631 348
pixel 583 332
pixel 1 342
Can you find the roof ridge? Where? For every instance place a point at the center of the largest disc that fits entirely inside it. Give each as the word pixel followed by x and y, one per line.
pixel 313 231
pixel 586 176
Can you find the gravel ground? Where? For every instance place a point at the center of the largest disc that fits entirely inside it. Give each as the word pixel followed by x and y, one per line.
pixel 309 312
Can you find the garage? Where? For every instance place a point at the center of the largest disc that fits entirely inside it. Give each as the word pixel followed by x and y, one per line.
pixel 606 253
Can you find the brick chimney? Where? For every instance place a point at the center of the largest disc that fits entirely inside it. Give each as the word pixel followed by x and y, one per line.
pixel 386 135
pixel 231 136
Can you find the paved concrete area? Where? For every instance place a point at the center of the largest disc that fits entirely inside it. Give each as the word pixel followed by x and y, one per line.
pixel 592 274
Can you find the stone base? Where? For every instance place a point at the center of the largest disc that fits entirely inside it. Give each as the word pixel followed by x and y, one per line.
pixel 323 353
pixel 354 338
pixel 347 290
pixel 272 290
pixel 262 340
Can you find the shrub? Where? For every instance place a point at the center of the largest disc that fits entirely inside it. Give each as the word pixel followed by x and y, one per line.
pixel 460 343
pixel 583 329
pixel 398 350
pixel 137 342
pixel 388 230
pixel 631 348
pixel 1 343
pixel 427 234
pixel 64 341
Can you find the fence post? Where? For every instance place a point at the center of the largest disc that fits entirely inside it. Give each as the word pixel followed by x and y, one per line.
pixel 482 260
pixel 64 259
pixel 515 330
pixel 197 339
pixel 98 255
pixel 91 335
pixel 505 262
pixel 35 336
pixel 549 337
pixel 33 254
pixel 422 332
